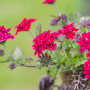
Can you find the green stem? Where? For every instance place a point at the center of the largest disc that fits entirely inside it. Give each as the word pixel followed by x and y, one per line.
pixel 4 61
pixel 57 9
pixel 88 28
pixel 31 34
pixel 27 66
pixel 65 52
pixel 5 57
pixel 72 46
pixel 53 55
pixel 8 51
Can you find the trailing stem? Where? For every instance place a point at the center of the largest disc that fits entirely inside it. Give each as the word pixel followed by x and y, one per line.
pixel 65 52
pixel 53 55
pixel 57 9
pixel 27 66
pixel 5 57
pixel 8 51
pixel 31 34
pixel 72 46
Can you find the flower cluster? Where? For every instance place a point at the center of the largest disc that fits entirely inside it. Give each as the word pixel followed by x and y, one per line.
pixel 84 42
pixel 12 66
pixel 24 25
pixel 44 41
pixel 86 23
pixel 49 1
pixel 63 18
pixel 4 35
pixel 69 31
pixel 87 69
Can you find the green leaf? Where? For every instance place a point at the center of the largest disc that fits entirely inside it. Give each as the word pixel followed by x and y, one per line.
pixel 38 29
pixel 17 53
pixel 57 53
pixel 84 30
pixel 65 43
pixel 77 47
pixel 52 71
pixel 54 16
pixel 12 60
pixel 80 62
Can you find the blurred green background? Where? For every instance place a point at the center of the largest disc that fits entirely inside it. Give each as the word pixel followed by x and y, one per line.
pixel 12 13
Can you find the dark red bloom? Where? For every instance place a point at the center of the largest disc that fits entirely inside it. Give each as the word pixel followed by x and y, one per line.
pixel 69 31
pixel 4 35
pixel 88 54
pixel 87 69
pixel 84 42
pixel 49 1
pixel 44 41
pixel 70 35
pixel 24 25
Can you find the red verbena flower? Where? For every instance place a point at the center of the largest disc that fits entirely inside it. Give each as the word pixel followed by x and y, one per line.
pixel 84 42
pixel 24 25
pixel 87 69
pixel 4 35
pixel 44 41
pixel 69 31
pixel 49 1
pixel 88 54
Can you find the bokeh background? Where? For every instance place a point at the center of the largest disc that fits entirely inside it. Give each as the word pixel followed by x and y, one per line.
pixel 12 13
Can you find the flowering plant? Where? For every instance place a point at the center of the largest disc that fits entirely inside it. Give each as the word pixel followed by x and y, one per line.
pixel 68 48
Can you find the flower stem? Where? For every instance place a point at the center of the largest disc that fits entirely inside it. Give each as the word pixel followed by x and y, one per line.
pixel 53 55
pixel 65 52
pixel 57 9
pixel 27 66
pixel 72 45
pixel 31 34
pixel 4 61
pixel 8 51
pixel 5 57
pixel 58 26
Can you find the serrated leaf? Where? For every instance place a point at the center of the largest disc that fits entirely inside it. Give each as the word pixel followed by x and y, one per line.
pixel 77 48
pixel 17 54
pixel 53 71
pixel 38 29
pixel 65 43
pixel 57 53
pixel 54 16
pixel 80 62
